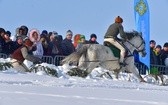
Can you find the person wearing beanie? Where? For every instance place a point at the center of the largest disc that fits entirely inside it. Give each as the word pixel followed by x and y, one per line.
pixel 153 56
pixel 152 42
pixel 25 29
pixel 93 39
pixel 165 45
pixel 18 43
pixel 2 40
pixel 81 42
pixel 7 36
pixel 54 45
pixel 69 32
pixel 111 36
pixel 22 54
pixel 45 32
pixel 158 49
pixel 157 52
pixel 67 45
pixel 9 44
pixel 163 54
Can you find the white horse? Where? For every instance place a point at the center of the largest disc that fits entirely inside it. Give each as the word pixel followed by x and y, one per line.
pixel 90 56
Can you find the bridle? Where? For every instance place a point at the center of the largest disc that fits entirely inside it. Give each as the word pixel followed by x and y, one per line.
pixel 137 48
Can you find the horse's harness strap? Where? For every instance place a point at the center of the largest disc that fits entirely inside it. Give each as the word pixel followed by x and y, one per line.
pixel 109 37
pixel 99 61
pixel 137 47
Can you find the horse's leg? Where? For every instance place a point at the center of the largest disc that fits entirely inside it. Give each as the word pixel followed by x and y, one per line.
pixel 91 66
pixel 132 68
pixel 136 73
pixel 112 66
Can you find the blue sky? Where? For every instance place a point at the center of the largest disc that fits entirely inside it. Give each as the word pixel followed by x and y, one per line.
pixel 81 16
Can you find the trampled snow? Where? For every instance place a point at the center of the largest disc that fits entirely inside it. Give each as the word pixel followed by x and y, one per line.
pixel 41 89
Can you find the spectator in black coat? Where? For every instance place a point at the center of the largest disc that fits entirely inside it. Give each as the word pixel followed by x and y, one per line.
pixel 54 46
pixel 93 39
pixel 18 43
pixel 9 44
pixel 164 54
pixel 2 40
pixel 67 45
pixel 153 58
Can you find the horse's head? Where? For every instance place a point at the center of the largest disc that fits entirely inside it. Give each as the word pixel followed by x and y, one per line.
pixel 137 42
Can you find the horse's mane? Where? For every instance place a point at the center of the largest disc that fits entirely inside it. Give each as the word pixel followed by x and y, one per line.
pixel 131 34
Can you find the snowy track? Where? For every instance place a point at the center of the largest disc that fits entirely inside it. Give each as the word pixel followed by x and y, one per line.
pixel 29 88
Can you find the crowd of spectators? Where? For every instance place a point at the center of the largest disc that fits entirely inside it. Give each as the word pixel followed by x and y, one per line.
pixel 158 53
pixel 51 43
pixel 45 43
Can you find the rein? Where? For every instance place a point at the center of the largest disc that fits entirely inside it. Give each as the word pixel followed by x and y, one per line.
pixel 137 48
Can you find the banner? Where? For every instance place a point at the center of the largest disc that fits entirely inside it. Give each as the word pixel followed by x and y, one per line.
pixel 142 22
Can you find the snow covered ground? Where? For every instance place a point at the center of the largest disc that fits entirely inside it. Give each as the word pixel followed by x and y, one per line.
pixel 40 89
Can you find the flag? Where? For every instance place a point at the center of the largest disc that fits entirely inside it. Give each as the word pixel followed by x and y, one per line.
pixel 142 22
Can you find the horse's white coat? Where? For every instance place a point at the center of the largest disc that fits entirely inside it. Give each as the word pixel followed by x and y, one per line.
pixel 99 55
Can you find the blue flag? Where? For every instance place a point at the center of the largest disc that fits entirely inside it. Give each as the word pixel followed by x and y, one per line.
pixel 141 10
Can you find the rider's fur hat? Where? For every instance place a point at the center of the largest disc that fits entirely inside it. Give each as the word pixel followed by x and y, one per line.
pixel 118 19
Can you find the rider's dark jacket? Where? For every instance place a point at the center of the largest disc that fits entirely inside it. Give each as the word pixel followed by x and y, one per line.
pixel 114 30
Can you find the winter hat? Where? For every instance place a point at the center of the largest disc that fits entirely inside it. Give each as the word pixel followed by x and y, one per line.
pixel 166 44
pixel 19 37
pixel 82 37
pixel 25 28
pixel 159 46
pixel 45 32
pixel 118 19
pixel 55 33
pixel 93 35
pixel 60 38
pixel 152 41
pixel 2 30
pixel 69 32
pixel 8 33
pixel 31 34
pixel 28 42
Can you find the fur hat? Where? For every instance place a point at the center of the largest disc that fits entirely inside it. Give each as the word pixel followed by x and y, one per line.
pixel 118 19
pixel 31 34
pixel 28 42
pixel 69 32
pixel 93 35
pixel 166 44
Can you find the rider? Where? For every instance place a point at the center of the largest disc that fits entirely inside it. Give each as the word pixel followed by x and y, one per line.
pixel 111 36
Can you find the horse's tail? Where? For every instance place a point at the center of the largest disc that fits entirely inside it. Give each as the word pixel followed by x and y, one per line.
pixel 75 56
